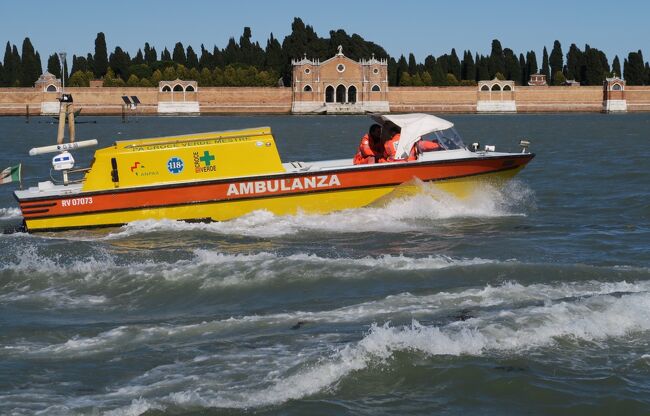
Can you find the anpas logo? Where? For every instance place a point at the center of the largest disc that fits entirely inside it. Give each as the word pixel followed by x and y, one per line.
pixel 138 169
pixel 204 163
pixel 175 165
pixel 278 185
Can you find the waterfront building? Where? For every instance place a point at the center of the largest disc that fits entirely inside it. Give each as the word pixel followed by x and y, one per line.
pixel 614 95
pixel 537 80
pixel 339 85
pixel 496 96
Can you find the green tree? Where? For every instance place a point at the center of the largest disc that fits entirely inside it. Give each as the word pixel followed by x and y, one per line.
pixel 556 61
pixel 205 78
pixel 513 70
pixel 405 79
pixel 101 56
pixel 150 55
pixel 524 70
pixel 274 56
pixel 469 67
pixel 545 65
pixel 483 68
pixel 120 61
pixel 138 59
pixel 393 76
pixel 454 64
pixel 452 80
pixel 81 79
pixel 178 55
pixel 402 67
pixel 634 69
pixel 616 67
pixel 169 74
pixel 558 78
pixel 573 63
pixel 412 65
pixel 192 58
pixel 31 66
pixel 156 77
pixel 426 78
pixel 133 81
pixel 497 60
pixel 54 65
pixel 165 55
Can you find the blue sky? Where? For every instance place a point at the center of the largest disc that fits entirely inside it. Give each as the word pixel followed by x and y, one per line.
pixel 421 27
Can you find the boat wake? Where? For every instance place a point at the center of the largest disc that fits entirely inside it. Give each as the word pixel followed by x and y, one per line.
pixel 421 211
pixel 508 320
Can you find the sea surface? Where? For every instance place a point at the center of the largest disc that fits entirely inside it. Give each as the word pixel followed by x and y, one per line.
pixel 532 299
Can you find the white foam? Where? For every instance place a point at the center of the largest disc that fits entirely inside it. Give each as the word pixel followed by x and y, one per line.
pixel 9 213
pixel 571 312
pixel 398 215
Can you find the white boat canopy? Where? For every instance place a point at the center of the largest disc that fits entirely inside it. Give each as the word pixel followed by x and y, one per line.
pixel 413 127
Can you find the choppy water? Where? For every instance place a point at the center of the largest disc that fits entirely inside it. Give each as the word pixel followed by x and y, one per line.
pixel 534 299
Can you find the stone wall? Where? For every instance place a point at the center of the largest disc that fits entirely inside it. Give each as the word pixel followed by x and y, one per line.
pixel 251 100
pixel 108 101
pixel 558 99
pixel 432 99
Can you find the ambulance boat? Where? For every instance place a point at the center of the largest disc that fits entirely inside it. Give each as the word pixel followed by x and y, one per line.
pixel 218 176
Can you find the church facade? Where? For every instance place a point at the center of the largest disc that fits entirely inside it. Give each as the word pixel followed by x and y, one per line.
pixel 339 85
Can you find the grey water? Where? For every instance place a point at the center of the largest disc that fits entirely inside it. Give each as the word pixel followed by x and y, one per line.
pixel 531 299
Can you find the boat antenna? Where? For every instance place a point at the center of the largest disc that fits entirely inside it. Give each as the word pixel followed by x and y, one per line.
pixel 66 107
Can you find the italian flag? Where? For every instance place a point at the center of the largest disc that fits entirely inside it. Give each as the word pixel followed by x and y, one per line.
pixel 11 174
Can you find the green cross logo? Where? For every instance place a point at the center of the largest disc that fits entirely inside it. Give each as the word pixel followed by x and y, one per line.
pixel 206 158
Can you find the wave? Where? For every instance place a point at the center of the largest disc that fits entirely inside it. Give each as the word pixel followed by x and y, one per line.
pixel 412 213
pixel 73 281
pixel 509 296
pixel 9 213
pixel 596 312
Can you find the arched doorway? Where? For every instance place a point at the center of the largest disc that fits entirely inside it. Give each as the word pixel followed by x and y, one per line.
pixel 329 94
pixel 352 94
pixel 340 94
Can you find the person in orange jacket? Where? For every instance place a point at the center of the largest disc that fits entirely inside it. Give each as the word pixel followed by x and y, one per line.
pixel 390 147
pixel 370 148
pixel 421 146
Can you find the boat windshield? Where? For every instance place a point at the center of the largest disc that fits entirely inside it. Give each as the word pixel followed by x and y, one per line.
pixel 449 139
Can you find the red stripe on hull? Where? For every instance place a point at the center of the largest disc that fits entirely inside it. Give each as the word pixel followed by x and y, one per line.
pixel 179 194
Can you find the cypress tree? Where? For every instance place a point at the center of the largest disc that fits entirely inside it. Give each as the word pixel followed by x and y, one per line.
pixel 392 72
pixel 483 69
pixel 54 65
pixel 647 73
pixel 91 63
pixel 119 62
pixel 165 56
pixel 438 76
pixel 192 58
pixel 206 60
pixel 138 59
pixel 513 71
pixel 573 63
pixel 274 56
pixel 150 55
pixel 469 67
pixel 556 60
pixel 412 65
pixel 101 56
pixel 402 67
pixel 531 64
pixel 634 69
pixel 454 64
pixel 178 55
pixel 545 70
pixel 523 71
pixel 497 60
pixel 594 71
pixel 2 75
pixel 30 67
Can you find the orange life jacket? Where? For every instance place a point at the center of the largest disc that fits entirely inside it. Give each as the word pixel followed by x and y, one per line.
pixel 369 151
